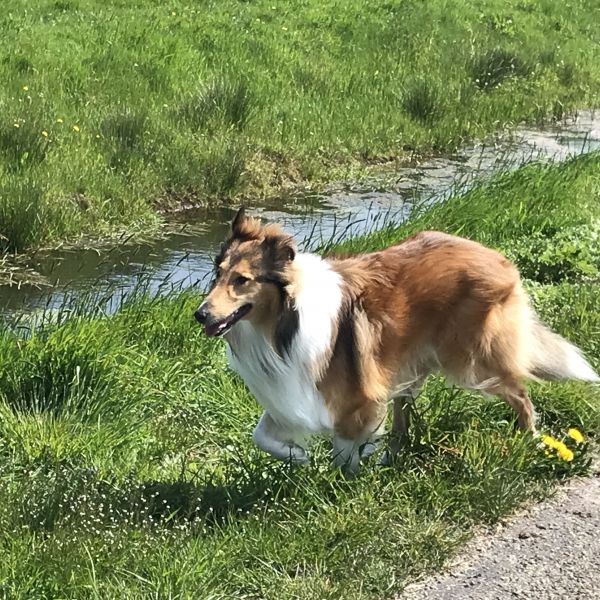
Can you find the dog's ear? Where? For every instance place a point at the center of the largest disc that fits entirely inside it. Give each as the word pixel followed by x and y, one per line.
pixel 288 251
pixel 237 225
pixel 245 228
pixel 280 248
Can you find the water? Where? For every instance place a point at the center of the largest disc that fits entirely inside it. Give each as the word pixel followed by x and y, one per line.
pixel 183 256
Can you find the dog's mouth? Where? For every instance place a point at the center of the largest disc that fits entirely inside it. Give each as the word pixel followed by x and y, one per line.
pixel 217 328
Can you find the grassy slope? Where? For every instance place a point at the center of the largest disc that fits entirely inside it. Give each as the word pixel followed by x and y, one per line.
pixel 110 108
pixel 127 469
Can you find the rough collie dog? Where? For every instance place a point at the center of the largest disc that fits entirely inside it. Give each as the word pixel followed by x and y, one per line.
pixel 325 343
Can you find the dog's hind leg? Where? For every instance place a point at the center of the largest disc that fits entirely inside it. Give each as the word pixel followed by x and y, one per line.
pixel 515 395
pixel 271 438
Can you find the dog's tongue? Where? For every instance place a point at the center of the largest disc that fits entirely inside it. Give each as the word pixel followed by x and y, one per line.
pixel 212 329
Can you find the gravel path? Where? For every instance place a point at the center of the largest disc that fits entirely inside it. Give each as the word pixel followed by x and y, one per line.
pixel 551 551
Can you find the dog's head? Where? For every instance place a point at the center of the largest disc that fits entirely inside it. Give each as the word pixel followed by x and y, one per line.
pixel 252 272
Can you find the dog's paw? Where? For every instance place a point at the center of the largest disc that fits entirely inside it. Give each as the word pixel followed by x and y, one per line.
pixel 368 449
pixel 298 456
pixel 388 458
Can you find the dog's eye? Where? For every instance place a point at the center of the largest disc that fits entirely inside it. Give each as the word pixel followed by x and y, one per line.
pixel 240 280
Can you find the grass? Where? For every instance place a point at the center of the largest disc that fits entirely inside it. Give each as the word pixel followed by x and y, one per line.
pixel 127 469
pixel 110 110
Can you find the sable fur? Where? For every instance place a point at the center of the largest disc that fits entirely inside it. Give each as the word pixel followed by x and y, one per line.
pixel 339 337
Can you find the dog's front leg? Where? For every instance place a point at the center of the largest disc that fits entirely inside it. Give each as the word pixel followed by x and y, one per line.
pixel 345 455
pixel 271 438
pixel 354 440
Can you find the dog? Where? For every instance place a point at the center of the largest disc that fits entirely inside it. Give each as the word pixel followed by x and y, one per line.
pixel 325 343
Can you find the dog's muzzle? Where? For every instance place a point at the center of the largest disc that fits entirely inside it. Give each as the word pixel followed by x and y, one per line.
pixel 214 327
pixel 201 314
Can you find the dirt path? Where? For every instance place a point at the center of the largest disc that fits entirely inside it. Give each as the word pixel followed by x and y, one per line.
pixel 551 551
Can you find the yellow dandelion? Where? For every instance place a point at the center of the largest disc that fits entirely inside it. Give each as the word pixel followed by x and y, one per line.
pixel 16 125
pixel 173 14
pixel 565 453
pixel 549 441
pixel 45 133
pixel 25 88
pixel 576 435
pixel 59 120
pixel 76 128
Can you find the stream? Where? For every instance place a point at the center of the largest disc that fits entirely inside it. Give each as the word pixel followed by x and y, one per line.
pixel 183 255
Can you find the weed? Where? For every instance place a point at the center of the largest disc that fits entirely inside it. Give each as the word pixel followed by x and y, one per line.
pixel 221 99
pixel 491 68
pixel 66 5
pixel 22 144
pixel 123 133
pixel 20 63
pixel 223 169
pixel 421 100
pixel 125 129
pixel 567 73
pixel 22 214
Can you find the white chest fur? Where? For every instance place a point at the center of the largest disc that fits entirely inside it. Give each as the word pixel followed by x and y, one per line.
pixel 286 388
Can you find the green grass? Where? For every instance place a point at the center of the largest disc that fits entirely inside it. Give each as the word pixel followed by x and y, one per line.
pixel 110 110
pixel 127 468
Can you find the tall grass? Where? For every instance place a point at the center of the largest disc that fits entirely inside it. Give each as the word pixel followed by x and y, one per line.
pixel 22 214
pixel 127 468
pixel 550 238
pixel 118 108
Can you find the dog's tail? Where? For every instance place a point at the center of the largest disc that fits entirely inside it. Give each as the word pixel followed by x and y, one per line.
pixel 552 357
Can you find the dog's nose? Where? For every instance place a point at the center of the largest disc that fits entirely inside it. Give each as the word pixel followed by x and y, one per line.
pixel 201 314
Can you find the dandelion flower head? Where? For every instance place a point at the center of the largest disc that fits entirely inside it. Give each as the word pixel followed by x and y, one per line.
pixel 576 435
pixel 565 453
pixel 549 441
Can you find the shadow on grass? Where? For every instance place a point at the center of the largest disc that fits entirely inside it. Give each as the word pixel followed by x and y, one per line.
pixel 459 441
pixel 48 495
pixel 212 503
